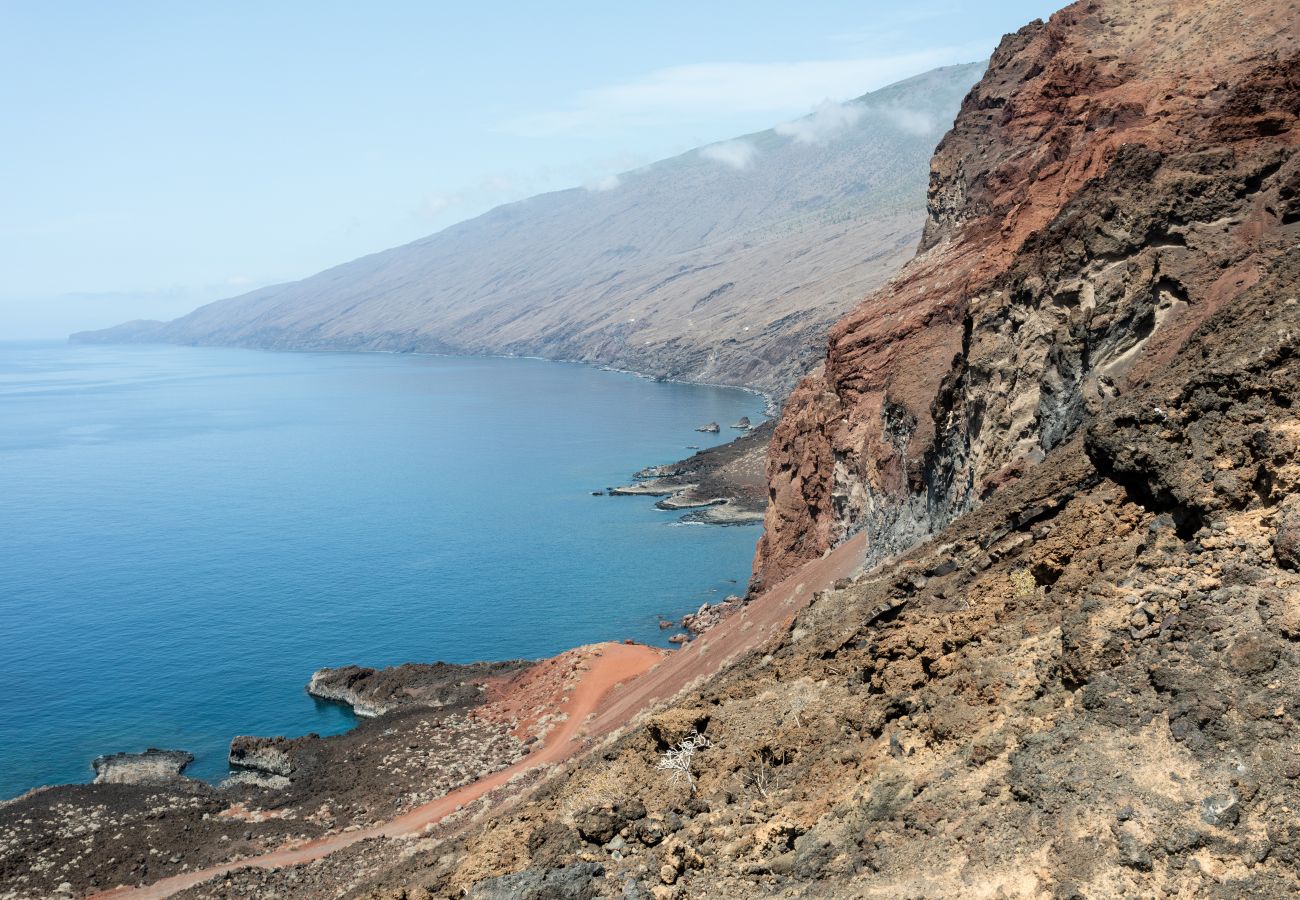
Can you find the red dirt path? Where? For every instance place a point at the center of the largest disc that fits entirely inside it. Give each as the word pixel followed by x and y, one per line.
pixel 620 681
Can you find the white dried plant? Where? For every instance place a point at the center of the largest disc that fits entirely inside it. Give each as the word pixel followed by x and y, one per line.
pixel 680 760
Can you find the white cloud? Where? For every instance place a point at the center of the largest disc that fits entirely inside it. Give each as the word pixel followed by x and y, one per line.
pixel 826 121
pixel 736 154
pixel 606 183
pixel 908 120
pixel 703 91
pixel 829 119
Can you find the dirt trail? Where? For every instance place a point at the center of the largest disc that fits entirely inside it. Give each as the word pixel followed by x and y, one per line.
pixel 615 664
pixel 644 675
pixel 753 626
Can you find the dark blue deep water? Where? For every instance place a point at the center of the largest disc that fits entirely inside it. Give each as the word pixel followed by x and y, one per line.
pixel 186 534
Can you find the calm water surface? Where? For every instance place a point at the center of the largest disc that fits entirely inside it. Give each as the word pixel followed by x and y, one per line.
pixel 186 534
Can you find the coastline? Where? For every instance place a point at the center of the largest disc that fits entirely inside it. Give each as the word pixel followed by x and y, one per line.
pixel 445 729
pixel 771 406
pixel 724 485
pixel 207 755
pixel 251 810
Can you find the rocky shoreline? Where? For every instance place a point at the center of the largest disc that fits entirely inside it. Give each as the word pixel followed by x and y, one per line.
pixel 431 729
pixel 151 766
pixel 425 730
pixel 723 485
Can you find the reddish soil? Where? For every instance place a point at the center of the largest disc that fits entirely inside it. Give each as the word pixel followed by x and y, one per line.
pixel 606 686
pixel 600 669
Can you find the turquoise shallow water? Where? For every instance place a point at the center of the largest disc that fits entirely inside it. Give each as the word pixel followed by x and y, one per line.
pixel 187 533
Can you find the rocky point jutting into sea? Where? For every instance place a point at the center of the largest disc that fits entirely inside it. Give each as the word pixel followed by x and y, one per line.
pixel 1024 617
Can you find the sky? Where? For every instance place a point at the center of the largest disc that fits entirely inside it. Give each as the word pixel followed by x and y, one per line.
pixel 155 156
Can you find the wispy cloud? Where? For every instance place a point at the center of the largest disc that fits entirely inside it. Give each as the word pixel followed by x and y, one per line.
pixel 826 121
pixel 736 154
pixel 703 91
pixel 829 120
pixel 911 121
pixel 604 183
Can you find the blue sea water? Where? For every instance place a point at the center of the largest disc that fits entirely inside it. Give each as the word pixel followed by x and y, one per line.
pixel 187 533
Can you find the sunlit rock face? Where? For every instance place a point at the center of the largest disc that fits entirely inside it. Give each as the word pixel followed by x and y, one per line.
pixel 1121 173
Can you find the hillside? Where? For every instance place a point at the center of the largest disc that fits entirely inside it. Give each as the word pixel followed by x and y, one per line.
pixel 1028 603
pixel 726 264
pixel 1080 399
pixel 1088 211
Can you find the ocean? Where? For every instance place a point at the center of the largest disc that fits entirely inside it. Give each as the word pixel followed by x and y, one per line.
pixel 186 534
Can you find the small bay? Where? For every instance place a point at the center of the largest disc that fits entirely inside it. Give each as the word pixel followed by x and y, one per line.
pixel 187 533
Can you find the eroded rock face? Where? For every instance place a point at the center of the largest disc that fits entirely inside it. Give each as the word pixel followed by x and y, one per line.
pixel 1117 177
pixel 269 755
pixel 375 692
pixel 1086 687
pixel 1286 541
pixel 153 766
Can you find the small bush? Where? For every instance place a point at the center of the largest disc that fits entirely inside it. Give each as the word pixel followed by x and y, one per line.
pixel 1024 584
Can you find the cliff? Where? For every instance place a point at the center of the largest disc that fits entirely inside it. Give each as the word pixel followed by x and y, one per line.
pixel 1065 441
pixel 726 264
pixel 1047 638
pixel 1119 175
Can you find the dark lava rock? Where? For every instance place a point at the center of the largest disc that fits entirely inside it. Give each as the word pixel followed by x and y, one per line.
pixel 260 754
pixel 576 882
pixel 1131 852
pixel 552 843
pixel 1286 541
pixel 1223 811
pixel 1252 655
pixel 599 825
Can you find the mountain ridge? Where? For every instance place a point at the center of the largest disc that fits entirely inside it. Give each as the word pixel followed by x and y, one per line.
pixel 694 268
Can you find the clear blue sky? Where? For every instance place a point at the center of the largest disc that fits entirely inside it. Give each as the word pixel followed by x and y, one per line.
pixel 157 155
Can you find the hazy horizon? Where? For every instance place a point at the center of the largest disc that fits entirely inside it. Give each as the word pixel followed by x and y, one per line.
pixel 179 156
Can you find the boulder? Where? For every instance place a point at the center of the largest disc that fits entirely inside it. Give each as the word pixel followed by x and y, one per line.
pixel 150 767
pixel 1286 540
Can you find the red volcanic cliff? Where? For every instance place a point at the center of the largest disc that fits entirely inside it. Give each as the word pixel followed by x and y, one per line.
pixel 1120 173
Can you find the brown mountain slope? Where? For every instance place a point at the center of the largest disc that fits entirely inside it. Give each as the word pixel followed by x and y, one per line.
pixel 1084 685
pixel 1084 689
pixel 691 268
pixel 1119 175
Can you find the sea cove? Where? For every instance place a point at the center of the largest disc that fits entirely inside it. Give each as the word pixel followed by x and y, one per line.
pixel 188 533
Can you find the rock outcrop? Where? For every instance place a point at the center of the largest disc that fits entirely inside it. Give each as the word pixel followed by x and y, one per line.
pixel 1116 178
pixel 376 692
pixel 153 766
pixel 725 485
pixel 270 756
pixel 1085 687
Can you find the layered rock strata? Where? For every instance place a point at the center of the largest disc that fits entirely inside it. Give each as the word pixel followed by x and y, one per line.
pixel 1116 178
pixel 1086 687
